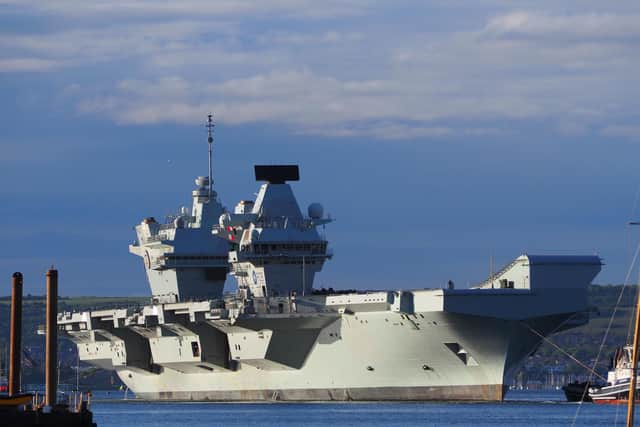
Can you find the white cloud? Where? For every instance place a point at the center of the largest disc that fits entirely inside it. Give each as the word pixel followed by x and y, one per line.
pixel 12 65
pixel 578 68
pixel 560 28
pixel 86 46
pixel 308 103
pixel 202 8
pixel 291 38
pixel 386 131
pixel 625 131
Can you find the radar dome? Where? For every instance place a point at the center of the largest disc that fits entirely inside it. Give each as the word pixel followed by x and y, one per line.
pixel 315 211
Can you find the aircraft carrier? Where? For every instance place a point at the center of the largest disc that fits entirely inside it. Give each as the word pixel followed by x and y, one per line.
pixel 276 338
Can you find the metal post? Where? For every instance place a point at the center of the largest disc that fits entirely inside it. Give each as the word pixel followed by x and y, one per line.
pixel 77 370
pixel 15 339
pixel 210 126
pixel 51 348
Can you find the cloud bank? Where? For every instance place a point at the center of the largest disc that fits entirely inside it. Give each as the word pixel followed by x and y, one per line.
pixel 366 69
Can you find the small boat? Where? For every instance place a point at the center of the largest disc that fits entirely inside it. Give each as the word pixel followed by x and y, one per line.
pixel 616 391
pixel 579 391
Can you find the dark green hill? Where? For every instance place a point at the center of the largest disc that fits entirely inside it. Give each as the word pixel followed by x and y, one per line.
pixel 549 367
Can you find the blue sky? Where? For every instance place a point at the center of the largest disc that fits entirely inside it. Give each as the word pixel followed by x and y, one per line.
pixel 437 133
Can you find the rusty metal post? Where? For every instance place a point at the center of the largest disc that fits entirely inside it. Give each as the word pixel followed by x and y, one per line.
pixel 15 339
pixel 51 348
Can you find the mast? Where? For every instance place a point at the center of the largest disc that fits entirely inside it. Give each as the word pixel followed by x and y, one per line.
pixel 210 127
pixel 634 362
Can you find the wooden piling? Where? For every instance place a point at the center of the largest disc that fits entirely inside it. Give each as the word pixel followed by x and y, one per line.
pixel 51 349
pixel 15 339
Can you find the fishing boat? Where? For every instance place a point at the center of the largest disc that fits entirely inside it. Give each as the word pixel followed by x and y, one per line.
pixel 578 391
pixel 623 380
pixel 616 391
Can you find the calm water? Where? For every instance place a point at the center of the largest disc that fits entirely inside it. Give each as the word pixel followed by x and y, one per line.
pixel 520 409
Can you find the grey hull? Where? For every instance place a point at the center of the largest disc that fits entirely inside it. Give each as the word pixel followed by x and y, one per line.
pixel 382 345
pixel 485 392
pixel 376 359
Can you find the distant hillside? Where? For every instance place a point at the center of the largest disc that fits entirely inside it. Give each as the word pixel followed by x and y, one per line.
pixel 550 367
pixel 547 367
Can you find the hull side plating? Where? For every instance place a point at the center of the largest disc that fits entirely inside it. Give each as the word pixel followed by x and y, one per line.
pixel 367 356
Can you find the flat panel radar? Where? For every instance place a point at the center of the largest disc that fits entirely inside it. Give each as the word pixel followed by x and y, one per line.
pixel 277 174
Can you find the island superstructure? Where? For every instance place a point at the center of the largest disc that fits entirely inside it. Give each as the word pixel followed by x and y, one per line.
pixel 276 338
pixel 277 251
pixel 182 258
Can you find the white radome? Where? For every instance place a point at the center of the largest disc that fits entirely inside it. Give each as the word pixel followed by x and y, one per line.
pixel 315 211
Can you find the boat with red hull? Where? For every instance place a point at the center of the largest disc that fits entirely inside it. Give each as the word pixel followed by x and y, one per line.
pixel 616 391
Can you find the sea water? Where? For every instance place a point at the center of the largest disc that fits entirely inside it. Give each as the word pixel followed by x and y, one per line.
pixel 521 408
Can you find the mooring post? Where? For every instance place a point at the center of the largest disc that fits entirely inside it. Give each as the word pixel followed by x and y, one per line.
pixel 51 347
pixel 15 339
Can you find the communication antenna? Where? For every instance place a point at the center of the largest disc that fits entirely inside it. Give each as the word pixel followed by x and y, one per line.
pixel 210 127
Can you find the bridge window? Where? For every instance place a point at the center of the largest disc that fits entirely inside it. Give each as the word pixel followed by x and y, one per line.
pixel 195 348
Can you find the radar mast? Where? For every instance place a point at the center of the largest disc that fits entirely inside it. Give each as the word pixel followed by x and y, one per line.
pixel 210 127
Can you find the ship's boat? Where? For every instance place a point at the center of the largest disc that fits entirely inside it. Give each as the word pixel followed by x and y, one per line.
pixel 579 391
pixel 616 391
pixel 277 338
